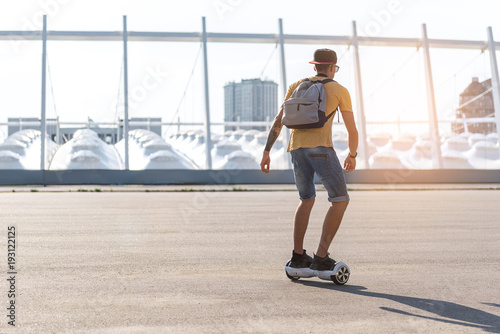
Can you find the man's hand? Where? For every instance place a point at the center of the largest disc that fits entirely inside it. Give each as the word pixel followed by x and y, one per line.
pixel 271 138
pixel 349 164
pixel 266 161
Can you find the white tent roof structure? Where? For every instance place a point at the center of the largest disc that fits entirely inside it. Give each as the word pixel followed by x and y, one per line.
pixel 86 151
pixel 21 150
pixel 147 150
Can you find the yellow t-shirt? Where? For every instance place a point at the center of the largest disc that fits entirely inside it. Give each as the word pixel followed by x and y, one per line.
pixel 336 95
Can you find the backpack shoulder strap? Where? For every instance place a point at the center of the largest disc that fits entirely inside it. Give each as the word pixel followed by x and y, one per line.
pixel 327 80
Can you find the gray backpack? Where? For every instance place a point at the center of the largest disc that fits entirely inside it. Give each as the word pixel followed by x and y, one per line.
pixel 305 109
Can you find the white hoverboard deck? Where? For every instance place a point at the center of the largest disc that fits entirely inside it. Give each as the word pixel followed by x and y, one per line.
pixel 339 275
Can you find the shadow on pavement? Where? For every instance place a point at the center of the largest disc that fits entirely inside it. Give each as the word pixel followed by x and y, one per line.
pixel 451 313
pixel 491 304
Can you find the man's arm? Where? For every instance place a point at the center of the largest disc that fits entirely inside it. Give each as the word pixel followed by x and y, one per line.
pixel 352 132
pixel 271 139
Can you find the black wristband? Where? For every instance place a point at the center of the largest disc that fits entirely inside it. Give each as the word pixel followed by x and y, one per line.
pixel 353 156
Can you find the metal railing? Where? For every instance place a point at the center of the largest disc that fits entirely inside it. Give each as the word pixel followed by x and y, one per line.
pixel 280 38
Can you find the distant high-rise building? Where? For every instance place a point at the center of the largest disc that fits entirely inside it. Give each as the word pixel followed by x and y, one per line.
pixel 250 100
pixel 476 101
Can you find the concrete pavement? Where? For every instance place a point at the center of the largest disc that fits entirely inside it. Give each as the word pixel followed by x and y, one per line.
pixel 213 262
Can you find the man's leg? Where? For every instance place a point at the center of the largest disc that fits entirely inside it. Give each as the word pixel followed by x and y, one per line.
pixel 300 222
pixel 330 226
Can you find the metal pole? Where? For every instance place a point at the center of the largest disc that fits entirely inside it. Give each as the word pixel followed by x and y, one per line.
pixel 495 82
pixel 284 86
pixel 208 136
pixel 43 128
pixel 362 143
pixel 58 133
pixel 437 159
pixel 281 39
pixel 125 90
pixel 118 130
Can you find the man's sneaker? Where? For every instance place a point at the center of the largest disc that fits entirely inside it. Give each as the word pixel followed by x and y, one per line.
pixel 300 260
pixel 323 263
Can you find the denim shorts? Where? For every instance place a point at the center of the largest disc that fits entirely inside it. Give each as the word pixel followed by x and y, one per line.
pixel 324 162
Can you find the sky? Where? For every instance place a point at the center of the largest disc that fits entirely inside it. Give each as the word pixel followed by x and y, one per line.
pixel 85 79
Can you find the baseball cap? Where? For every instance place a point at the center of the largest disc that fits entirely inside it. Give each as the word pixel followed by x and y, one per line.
pixel 324 56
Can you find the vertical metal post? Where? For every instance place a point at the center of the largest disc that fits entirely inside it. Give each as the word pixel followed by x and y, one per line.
pixel 118 132
pixel 284 86
pixel 362 143
pixel 281 40
pixel 58 133
pixel 43 128
pixel 208 136
pixel 495 82
pixel 125 90
pixel 437 160
pixel 466 125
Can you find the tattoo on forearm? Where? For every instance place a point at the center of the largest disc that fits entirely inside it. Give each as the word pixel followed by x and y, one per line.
pixel 273 135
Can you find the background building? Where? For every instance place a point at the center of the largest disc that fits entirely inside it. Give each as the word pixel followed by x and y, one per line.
pixel 476 102
pixel 250 100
